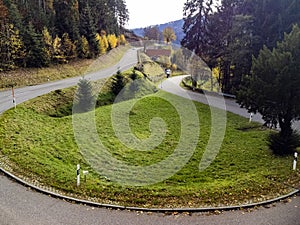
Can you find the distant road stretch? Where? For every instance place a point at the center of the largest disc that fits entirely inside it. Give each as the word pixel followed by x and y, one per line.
pixel 26 93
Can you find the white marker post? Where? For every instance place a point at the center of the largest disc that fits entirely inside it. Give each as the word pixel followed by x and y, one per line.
pixel 251 117
pixel 295 161
pixel 14 97
pixel 78 175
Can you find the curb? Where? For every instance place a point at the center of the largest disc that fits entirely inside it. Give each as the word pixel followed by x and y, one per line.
pixel 156 210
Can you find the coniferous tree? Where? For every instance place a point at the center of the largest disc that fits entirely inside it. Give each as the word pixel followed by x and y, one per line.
pixel 118 83
pixel 67 18
pixel 35 48
pixel 76 17
pixel 273 90
pixel 102 43
pixel 122 39
pixel 88 24
pixel 84 99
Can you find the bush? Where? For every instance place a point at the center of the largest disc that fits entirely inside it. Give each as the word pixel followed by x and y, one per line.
pixel 284 145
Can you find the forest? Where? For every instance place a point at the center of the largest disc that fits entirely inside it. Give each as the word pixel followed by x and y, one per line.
pixel 226 34
pixel 37 33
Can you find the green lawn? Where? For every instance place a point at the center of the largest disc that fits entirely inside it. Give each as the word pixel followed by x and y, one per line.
pixel 43 148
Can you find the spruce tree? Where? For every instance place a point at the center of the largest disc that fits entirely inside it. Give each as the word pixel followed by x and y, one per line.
pixel 118 83
pixel 273 90
pixel 36 55
pixel 84 99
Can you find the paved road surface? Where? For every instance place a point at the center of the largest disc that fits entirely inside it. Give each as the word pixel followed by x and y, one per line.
pixel 22 206
pixel 23 94
pixel 172 85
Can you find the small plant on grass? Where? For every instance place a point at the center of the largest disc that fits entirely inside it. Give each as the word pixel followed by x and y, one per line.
pixel 284 145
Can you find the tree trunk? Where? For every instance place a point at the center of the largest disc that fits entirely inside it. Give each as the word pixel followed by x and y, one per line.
pixel 285 127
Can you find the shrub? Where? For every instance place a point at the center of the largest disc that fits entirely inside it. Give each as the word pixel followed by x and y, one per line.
pixel 284 145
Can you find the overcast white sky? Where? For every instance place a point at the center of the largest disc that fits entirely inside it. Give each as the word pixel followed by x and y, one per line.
pixel 143 13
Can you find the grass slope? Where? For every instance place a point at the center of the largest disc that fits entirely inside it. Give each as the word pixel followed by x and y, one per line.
pixel 42 148
pixel 32 76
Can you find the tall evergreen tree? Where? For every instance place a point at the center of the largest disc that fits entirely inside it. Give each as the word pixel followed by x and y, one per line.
pixel 36 56
pixel 84 98
pixel 273 90
pixel 118 83
pixel 67 18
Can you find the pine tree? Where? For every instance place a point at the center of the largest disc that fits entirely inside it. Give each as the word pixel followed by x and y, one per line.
pixel 35 48
pixel 274 89
pixel 67 18
pixel 118 83
pixel 84 99
pixel 88 24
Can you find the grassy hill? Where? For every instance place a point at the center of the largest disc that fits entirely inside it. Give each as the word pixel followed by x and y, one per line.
pixel 42 149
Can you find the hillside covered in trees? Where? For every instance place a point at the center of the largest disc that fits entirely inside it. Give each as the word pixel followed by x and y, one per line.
pixel 226 34
pixel 37 33
pixel 175 25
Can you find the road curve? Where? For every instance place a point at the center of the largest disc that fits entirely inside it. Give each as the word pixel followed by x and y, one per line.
pixel 20 205
pixel 172 85
pixel 26 93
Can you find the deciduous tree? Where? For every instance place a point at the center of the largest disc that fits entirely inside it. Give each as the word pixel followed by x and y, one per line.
pixel 169 35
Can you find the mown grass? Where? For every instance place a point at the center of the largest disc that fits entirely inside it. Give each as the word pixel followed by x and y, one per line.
pixel 43 148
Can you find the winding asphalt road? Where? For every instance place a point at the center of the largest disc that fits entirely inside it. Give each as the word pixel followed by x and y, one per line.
pixel 20 205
